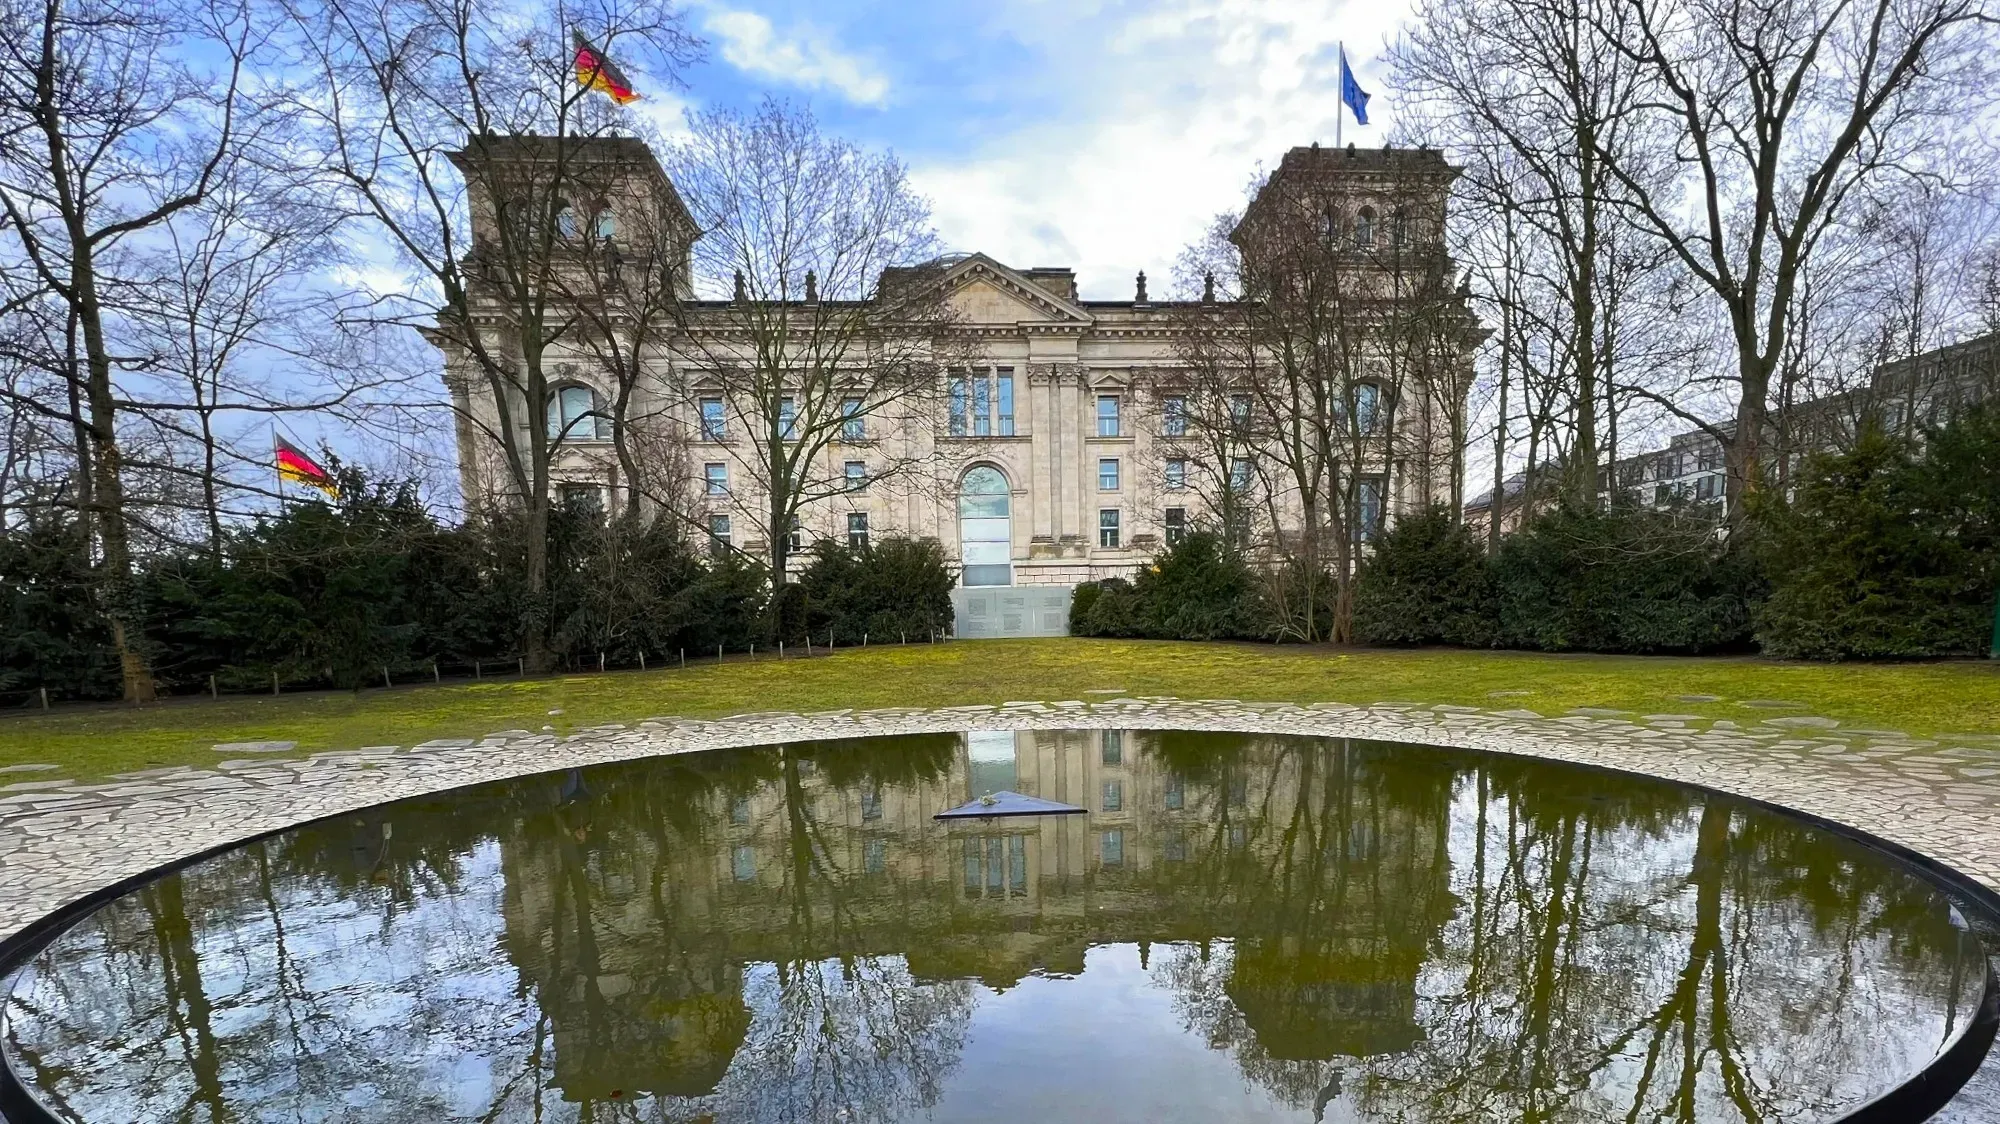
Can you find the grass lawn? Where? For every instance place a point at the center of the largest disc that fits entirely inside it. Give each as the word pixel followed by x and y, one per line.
pixel 1918 698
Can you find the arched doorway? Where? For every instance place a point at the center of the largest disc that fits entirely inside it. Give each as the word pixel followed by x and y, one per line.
pixel 985 529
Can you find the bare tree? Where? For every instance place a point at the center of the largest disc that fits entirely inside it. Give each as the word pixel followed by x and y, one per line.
pixel 1338 331
pixel 837 332
pixel 1781 115
pixel 117 118
pixel 458 131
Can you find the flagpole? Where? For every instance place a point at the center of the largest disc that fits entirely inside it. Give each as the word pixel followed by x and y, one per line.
pixel 1340 110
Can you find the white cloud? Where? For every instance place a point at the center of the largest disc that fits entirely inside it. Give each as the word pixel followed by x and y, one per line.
pixel 805 57
pixel 1168 115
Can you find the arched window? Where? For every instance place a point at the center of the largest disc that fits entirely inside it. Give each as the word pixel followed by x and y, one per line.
pixel 566 220
pixel 574 416
pixel 1399 229
pixel 607 224
pixel 1364 229
pixel 985 531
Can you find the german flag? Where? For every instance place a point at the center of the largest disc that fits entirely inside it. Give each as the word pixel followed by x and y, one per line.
pixel 295 466
pixel 596 71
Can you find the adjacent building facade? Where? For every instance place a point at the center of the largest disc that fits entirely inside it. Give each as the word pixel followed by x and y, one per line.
pixel 1057 448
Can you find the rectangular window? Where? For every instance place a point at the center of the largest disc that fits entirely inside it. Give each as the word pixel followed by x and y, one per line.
pixel 982 406
pixel 717 476
pixel 874 855
pixel 1173 417
pixel 584 499
pixel 853 424
pixel 857 530
pixel 1111 847
pixel 1112 752
pixel 718 535
pixel 713 426
pixel 1239 410
pixel 1107 415
pixel 1176 525
pixel 1107 474
pixel 1176 793
pixel 743 862
pixel 1176 474
pixel 1239 474
pixel 996 866
pixel 1114 796
pixel 739 811
pixel 857 475
pixel 957 405
pixel 1107 528
pixel 1003 401
pixel 871 804
pixel 1369 518
pixel 788 417
pixel 1174 848
pixel 796 541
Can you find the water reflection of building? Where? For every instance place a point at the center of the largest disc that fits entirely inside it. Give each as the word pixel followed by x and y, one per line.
pixel 1327 879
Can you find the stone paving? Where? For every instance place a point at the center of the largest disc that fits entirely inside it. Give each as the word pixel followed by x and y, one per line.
pixel 60 840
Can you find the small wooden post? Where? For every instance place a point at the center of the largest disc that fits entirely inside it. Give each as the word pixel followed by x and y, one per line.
pixel 684 658
pixel 809 645
pixel 642 659
pixel 718 653
pixel 475 669
pixel 45 698
pixel 521 664
pixel 435 677
pixel 274 682
pixel 753 651
pixel 781 649
pixel 212 693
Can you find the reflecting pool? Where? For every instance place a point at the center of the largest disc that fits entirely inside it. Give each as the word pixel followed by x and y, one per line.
pixel 1243 927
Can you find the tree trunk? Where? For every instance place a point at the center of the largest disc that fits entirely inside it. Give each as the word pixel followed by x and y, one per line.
pixel 115 592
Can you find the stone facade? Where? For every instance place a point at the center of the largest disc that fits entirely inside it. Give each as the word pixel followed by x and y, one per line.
pixel 1069 400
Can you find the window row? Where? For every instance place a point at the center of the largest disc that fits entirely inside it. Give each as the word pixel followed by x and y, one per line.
pixel 720 541
pixel 978 406
pixel 715 478
pixel 853 419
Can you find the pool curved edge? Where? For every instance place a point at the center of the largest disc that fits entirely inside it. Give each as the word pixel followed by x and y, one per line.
pixel 1917 1098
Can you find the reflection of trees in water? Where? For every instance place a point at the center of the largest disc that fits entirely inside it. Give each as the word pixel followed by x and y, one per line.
pixel 1618 956
pixel 1368 932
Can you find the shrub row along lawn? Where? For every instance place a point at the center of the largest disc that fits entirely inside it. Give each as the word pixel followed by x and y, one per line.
pixel 1920 699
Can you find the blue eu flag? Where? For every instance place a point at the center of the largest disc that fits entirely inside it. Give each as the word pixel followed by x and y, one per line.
pixel 1351 91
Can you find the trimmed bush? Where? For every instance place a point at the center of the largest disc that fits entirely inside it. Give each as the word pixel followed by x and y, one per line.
pixel 1889 552
pixel 1623 580
pixel 1425 583
pixel 892 587
pixel 1195 591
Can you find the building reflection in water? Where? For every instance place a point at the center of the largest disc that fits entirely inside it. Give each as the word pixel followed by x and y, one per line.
pixel 1362 931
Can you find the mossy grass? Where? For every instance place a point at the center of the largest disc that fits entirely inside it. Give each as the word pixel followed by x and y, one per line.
pixel 1921 699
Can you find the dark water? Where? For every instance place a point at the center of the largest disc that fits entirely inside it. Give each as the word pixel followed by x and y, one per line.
pixel 1243 927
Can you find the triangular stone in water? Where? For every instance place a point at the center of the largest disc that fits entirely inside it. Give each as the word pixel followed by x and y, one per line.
pixel 1007 803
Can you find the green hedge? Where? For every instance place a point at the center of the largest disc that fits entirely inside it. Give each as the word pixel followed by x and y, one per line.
pixel 1425 583
pixel 1890 551
pixel 1624 579
pixel 891 588
pixel 1197 590
pixel 331 593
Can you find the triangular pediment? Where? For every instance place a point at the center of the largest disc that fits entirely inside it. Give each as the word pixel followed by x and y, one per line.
pixel 986 292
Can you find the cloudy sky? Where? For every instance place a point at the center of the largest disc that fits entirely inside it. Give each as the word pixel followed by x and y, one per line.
pixel 1097 134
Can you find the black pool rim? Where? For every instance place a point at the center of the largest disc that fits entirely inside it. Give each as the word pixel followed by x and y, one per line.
pixel 1918 1098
